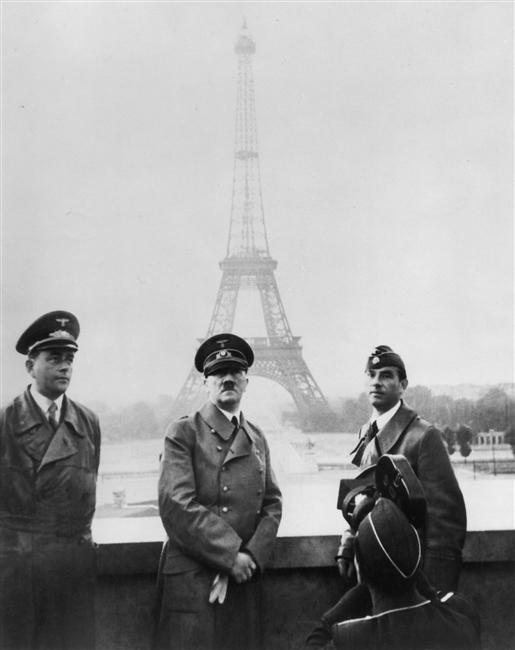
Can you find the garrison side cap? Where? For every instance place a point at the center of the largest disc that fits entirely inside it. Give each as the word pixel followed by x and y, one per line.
pixel 57 329
pixel 383 355
pixel 223 350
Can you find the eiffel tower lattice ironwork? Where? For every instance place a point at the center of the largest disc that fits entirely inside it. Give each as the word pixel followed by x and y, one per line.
pixel 248 264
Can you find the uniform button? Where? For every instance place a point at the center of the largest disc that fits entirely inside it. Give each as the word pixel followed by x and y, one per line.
pixel 258 512
pixel 224 468
pixel 225 488
pixel 219 448
pixel 261 471
pixel 213 431
pixel 225 509
pixel 260 491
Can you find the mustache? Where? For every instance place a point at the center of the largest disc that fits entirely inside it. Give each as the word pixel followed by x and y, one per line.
pixel 228 385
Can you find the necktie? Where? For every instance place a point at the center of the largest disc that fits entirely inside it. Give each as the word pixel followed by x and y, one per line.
pixel 52 410
pixel 234 420
pixel 371 432
pixel 369 435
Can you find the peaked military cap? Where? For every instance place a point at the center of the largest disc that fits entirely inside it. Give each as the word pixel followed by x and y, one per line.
pixel 382 356
pixel 57 329
pixel 223 350
pixel 387 543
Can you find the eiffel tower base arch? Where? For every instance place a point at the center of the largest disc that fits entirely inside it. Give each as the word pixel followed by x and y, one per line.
pixel 282 364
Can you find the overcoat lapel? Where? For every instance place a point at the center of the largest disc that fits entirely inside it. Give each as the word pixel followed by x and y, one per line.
pixel 63 444
pixel 243 442
pixel 31 427
pixel 216 421
pixel 29 414
pixel 385 440
pixel 390 434
pixel 220 425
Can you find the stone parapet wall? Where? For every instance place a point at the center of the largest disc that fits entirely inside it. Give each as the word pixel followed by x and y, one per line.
pixel 299 585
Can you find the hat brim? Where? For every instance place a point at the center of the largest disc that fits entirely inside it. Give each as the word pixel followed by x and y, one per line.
pixel 55 329
pixel 235 348
pixel 220 364
pixel 51 344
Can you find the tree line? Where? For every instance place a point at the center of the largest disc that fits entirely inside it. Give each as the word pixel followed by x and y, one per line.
pixel 493 410
pixel 137 421
pixel 458 419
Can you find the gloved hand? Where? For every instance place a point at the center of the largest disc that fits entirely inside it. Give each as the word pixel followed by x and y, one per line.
pixel 345 559
pixel 219 588
pixel 347 571
pixel 363 507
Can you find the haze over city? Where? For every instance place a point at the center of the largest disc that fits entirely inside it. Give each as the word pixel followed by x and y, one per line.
pixel 385 135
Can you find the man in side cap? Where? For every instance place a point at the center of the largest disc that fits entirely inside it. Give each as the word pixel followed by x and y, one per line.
pixel 221 507
pixel 388 555
pixel 394 428
pixel 49 454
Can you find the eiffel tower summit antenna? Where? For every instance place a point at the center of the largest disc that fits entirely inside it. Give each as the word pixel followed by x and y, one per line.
pixel 248 264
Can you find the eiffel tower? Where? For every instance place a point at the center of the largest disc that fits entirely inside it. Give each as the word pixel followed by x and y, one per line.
pixel 248 264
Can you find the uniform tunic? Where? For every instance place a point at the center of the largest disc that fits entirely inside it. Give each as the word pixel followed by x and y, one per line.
pixel 47 501
pixel 446 624
pixel 217 496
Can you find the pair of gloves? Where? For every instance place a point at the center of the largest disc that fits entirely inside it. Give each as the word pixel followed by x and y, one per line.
pixel 219 588
pixel 242 570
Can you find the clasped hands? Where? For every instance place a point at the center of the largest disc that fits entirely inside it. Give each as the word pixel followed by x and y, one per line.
pixel 243 568
pixel 241 571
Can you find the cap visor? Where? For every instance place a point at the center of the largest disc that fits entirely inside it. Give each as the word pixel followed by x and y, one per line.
pixel 217 366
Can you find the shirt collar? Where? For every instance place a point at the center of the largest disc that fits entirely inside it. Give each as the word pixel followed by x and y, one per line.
pixel 383 419
pixel 229 415
pixel 44 402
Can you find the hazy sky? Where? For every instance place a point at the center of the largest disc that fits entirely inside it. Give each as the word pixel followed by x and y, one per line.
pixel 385 136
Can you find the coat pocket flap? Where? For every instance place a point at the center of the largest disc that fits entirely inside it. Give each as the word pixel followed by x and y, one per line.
pixel 179 563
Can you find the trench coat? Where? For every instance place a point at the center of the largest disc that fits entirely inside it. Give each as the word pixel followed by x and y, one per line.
pixel 47 501
pixel 446 520
pixel 217 496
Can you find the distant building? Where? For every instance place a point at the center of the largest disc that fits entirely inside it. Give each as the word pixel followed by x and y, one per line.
pixel 490 438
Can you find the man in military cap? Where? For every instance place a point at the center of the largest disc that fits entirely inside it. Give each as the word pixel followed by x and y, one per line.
pixel 221 507
pixel 388 553
pixel 49 455
pixel 394 428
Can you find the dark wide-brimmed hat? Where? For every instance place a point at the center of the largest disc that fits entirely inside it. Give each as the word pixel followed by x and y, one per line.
pixel 382 356
pixel 57 329
pixel 223 351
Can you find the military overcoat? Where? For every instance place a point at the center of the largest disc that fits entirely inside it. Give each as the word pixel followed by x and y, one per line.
pixel 217 496
pixel 47 501
pixel 446 521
